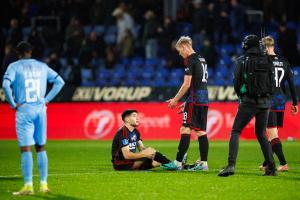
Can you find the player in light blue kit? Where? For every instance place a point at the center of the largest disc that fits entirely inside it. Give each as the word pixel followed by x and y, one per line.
pixel 25 84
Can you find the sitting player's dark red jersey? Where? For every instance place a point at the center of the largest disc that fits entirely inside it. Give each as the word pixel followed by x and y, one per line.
pixel 283 74
pixel 196 66
pixel 124 138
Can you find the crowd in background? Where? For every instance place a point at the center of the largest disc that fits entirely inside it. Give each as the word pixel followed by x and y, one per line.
pixel 97 34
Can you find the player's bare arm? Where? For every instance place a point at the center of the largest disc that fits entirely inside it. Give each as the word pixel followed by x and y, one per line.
pixel 147 153
pixel 182 91
pixel 141 145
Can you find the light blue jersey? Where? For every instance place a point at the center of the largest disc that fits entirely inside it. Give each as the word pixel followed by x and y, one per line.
pixel 28 79
pixel 25 83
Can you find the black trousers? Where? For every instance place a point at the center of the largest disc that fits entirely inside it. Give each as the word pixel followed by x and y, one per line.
pixel 242 118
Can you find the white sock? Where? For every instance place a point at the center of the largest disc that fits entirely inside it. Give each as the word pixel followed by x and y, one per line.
pixel 43 182
pixel 28 184
pixel 177 163
pixel 203 163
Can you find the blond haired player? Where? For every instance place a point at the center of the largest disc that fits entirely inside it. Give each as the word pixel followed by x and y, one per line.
pixel 283 74
pixel 195 107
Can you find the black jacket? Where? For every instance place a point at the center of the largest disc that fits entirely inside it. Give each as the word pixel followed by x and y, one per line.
pixel 261 102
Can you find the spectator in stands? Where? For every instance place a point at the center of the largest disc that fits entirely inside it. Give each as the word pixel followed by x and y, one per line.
pixel 66 71
pixel 53 61
pixel 237 20
pixel 71 73
pixel 126 46
pixel 97 12
pixel 14 34
pixel 173 59
pixel 151 34
pixel 73 37
pixel 222 28
pixel 110 57
pixel 9 57
pixel 2 45
pixel 199 21
pixel 167 34
pixel 37 42
pixel 124 21
pixel 209 53
pixel 96 44
pixel 85 55
pixel 287 43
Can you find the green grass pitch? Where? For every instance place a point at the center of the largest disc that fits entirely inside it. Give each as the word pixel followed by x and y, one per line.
pixel 82 170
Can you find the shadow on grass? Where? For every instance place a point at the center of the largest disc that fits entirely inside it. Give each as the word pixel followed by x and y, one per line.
pixel 54 196
pixel 246 174
pixel 12 178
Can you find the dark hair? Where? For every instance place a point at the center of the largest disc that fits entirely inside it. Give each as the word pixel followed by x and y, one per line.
pixel 250 41
pixel 23 47
pixel 128 112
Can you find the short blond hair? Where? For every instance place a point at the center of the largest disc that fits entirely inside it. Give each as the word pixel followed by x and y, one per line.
pixel 183 40
pixel 268 41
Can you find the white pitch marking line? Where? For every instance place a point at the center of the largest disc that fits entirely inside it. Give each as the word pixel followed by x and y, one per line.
pixel 56 174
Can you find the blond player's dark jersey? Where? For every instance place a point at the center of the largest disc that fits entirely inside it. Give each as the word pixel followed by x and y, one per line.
pixel 283 75
pixel 196 66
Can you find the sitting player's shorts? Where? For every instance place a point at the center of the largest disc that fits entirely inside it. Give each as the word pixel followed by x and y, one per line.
pixel 275 119
pixel 146 164
pixel 195 116
pixel 31 125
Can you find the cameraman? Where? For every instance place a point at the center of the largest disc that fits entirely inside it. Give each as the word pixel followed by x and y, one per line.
pixel 254 85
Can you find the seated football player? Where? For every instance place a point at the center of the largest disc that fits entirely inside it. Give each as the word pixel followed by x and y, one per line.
pixel 128 150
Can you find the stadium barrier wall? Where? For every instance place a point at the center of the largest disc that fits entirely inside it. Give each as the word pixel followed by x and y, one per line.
pixel 100 121
pixel 136 94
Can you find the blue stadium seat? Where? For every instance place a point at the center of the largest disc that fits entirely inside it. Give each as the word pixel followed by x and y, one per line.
pixel 137 61
pixel 162 62
pixel 26 31
pixel 110 39
pixel 184 29
pixel 101 82
pixel 177 72
pixel 174 82
pixel 219 82
pixel 130 81
pixel 210 72
pixel 87 29
pixel 124 61
pixel 227 49
pixel 162 72
pixel 99 29
pixel 63 61
pixel 119 74
pixel 159 82
pixel 147 74
pixel 221 71
pixel 86 77
pixel 112 29
pixel 151 62
pixel 296 71
pixel 145 82
pixel 292 25
pixel 103 73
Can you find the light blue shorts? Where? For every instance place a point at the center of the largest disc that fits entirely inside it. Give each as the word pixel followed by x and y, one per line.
pixel 31 125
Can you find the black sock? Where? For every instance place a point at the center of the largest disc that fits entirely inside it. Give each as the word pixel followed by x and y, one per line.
pixel 203 147
pixel 277 149
pixel 183 146
pixel 161 158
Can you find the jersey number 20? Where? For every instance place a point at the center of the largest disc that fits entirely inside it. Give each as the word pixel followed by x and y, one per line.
pixel 32 89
